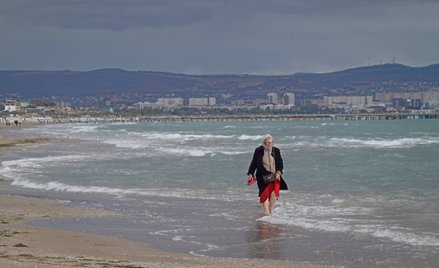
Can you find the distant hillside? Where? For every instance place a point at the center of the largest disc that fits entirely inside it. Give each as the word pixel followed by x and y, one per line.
pixel 375 74
pixel 116 81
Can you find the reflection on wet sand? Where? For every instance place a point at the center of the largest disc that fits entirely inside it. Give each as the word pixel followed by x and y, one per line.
pixel 264 244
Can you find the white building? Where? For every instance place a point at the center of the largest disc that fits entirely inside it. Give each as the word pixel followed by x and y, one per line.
pixel 430 97
pixel 359 102
pixel 272 98
pixel 11 105
pixel 388 96
pixel 212 101
pixel 143 105
pixel 202 101
pixel 170 101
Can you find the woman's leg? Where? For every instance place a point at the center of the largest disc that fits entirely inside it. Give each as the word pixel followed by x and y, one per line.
pixel 272 198
pixel 266 207
pixel 269 196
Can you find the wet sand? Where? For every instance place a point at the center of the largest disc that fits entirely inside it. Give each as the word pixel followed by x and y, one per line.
pixel 10 141
pixel 6 142
pixel 23 245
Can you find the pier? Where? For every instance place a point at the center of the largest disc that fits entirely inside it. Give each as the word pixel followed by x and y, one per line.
pixel 217 118
pixel 289 117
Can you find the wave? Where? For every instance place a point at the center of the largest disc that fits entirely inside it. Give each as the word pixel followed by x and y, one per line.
pixel 38 162
pixel 200 194
pixel 190 152
pixel 126 143
pixel 334 219
pixel 407 238
pixel 32 165
pixel 135 140
pixel 381 143
pixel 61 187
pixel 181 137
pixel 251 137
pixel 71 128
pixel 319 142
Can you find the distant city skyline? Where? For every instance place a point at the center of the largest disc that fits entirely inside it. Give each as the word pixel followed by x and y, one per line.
pixel 217 37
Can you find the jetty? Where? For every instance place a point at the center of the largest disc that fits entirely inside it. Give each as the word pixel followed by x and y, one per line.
pixel 206 118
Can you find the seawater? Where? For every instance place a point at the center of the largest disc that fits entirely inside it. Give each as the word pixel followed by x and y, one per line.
pixel 358 189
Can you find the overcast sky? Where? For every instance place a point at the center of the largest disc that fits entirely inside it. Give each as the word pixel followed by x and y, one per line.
pixel 217 37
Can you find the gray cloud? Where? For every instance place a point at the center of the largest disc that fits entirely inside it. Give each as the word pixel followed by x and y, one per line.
pixel 109 14
pixel 201 36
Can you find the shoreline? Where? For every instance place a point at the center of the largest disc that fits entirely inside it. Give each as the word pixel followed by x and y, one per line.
pixel 23 245
pixel 7 141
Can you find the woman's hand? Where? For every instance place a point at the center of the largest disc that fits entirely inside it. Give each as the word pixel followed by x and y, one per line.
pixel 250 177
pixel 278 176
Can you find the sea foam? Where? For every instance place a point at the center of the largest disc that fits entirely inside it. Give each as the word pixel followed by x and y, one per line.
pixel 335 219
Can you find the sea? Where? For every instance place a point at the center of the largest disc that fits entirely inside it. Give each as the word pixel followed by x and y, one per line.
pixel 361 193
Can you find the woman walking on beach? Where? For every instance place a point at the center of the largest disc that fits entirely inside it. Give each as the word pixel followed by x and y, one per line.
pixel 268 164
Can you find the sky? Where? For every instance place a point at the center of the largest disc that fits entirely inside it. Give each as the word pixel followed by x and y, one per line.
pixel 217 36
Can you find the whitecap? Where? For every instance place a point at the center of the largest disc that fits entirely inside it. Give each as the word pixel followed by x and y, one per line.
pixel 250 137
pixel 185 152
pixel 127 143
pixel 382 143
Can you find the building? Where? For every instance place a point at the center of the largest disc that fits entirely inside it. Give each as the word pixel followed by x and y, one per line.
pixel 239 102
pixel 170 101
pixel 144 105
pixel 257 102
pixel 202 101
pixel 212 101
pixel 389 96
pixel 429 98
pixel 359 102
pixel 12 106
pixel 288 99
pixel 272 98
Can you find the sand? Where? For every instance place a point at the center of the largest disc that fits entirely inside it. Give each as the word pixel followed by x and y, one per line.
pixel 6 142
pixel 24 245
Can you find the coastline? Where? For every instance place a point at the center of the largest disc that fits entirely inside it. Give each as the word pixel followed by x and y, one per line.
pixel 23 245
pixel 6 141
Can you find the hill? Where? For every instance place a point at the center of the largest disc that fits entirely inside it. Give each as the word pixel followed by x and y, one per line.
pixel 116 81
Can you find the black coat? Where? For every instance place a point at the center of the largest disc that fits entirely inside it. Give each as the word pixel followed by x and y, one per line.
pixel 256 165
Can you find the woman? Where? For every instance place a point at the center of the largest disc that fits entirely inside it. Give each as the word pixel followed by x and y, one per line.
pixel 267 160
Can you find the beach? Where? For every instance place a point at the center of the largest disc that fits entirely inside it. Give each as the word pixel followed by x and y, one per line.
pixel 12 141
pixel 174 194
pixel 6 142
pixel 23 245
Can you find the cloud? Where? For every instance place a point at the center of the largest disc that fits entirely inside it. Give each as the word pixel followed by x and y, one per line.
pixel 217 36
pixel 110 14
pixel 129 14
